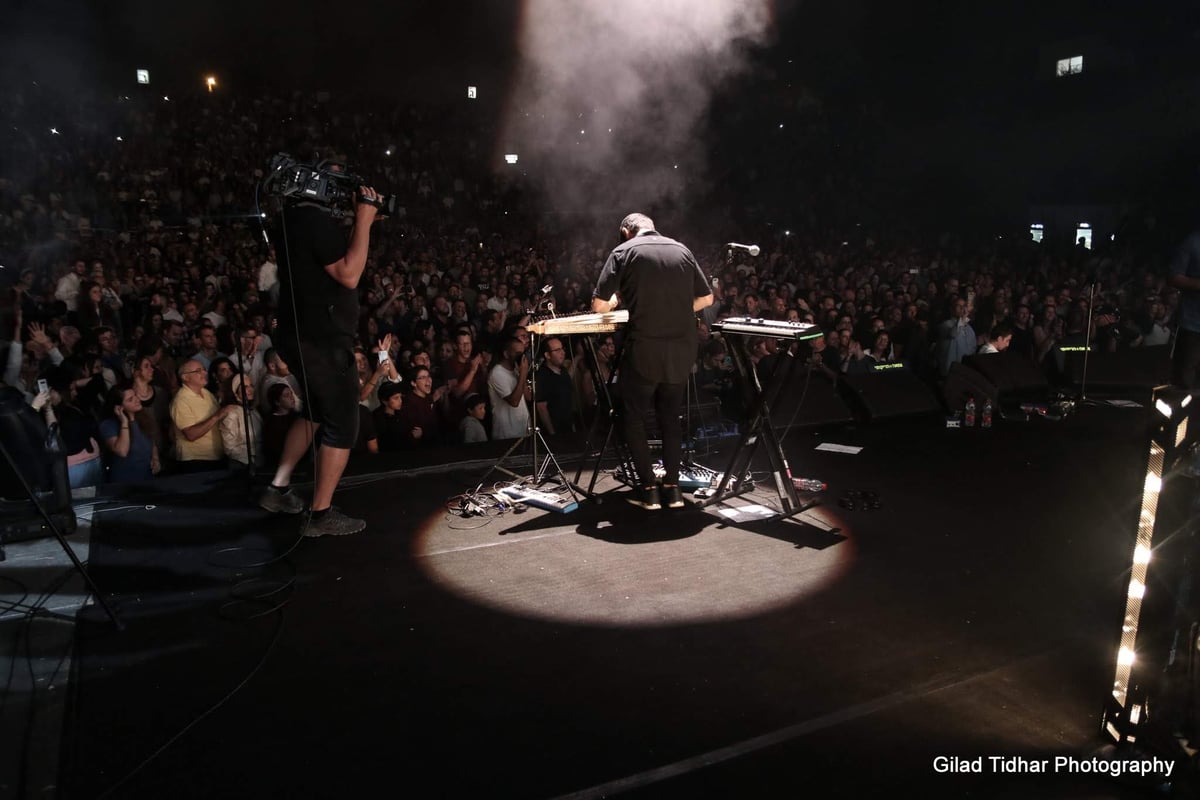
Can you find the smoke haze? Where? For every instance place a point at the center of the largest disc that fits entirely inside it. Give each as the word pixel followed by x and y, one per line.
pixel 608 108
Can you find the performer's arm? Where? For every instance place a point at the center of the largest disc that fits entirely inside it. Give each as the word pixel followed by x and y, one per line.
pixel 348 269
pixel 601 306
pixel 701 303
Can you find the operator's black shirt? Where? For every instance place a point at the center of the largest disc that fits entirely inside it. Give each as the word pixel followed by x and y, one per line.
pixel 324 311
pixel 657 279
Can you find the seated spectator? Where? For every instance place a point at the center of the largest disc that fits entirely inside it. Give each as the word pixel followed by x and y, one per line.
pixel 242 447
pixel 133 456
pixel 195 415
pixel 470 427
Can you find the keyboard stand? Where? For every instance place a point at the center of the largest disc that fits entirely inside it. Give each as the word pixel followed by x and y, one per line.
pixel 759 400
pixel 613 436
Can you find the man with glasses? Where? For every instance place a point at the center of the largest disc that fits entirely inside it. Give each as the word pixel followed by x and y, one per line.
pixel 661 284
pixel 555 400
pixel 196 415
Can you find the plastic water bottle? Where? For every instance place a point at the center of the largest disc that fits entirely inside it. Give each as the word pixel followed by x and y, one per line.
pixel 969 412
pixel 986 420
pixel 809 484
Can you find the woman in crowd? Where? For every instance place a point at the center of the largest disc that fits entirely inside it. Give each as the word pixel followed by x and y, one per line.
pixel 881 349
pixel 155 413
pixel 241 448
pixel 220 372
pixel 132 454
pixel 92 311
pixel 77 429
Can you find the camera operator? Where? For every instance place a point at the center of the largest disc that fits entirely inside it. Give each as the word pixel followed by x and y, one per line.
pixel 319 274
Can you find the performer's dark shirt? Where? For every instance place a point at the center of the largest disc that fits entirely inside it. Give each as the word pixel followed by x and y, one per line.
pixel 657 279
pixel 555 389
pixel 324 309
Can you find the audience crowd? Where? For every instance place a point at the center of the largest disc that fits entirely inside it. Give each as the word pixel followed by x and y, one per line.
pixel 140 289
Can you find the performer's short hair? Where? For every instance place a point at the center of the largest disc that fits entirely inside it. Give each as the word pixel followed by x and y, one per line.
pixel 637 222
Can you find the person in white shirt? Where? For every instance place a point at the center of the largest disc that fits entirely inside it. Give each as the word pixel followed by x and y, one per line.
pixel 268 278
pixel 67 288
pixel 510 392
pixel 998 339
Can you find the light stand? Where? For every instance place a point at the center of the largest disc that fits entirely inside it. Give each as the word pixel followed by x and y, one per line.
pixel 1088 348
pixel 246 427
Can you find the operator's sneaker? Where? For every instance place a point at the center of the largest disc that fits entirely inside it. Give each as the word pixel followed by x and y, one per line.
pixel 672 497
pixel 647 498
pixel 333 523
pixel 280 501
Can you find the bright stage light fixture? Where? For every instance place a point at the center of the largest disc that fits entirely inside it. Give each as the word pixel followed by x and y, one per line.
pixel 1164 552
pixel 510 158
pixel 143 76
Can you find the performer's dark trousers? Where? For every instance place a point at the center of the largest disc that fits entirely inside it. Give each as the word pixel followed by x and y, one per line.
pixel 665 400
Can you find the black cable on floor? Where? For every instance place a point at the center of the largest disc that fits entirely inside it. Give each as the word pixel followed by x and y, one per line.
pixel 34 613
pixel 207 713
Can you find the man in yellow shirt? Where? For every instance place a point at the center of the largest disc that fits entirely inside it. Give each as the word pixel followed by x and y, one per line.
pixel 196 414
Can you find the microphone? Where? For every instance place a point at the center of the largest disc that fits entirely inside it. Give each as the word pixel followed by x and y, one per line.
pixel 752 249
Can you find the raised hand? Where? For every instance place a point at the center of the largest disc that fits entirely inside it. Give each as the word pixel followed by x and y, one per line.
pixel 37 333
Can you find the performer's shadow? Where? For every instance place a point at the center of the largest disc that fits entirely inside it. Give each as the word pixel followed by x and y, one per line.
pixel 803 535
pixel 615 520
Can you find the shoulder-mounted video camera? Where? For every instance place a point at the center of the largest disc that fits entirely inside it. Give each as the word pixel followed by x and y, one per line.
pixel 326 183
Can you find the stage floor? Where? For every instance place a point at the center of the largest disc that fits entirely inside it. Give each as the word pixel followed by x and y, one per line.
pixel 713 652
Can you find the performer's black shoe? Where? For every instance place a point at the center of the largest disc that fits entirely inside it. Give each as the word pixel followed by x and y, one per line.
pixel 672 497
pixel 647 498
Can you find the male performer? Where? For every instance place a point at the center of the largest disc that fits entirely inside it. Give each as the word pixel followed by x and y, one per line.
pixel 658 280
pixel 318 317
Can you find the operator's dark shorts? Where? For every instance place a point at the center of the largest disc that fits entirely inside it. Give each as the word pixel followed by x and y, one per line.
pixel 329 382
